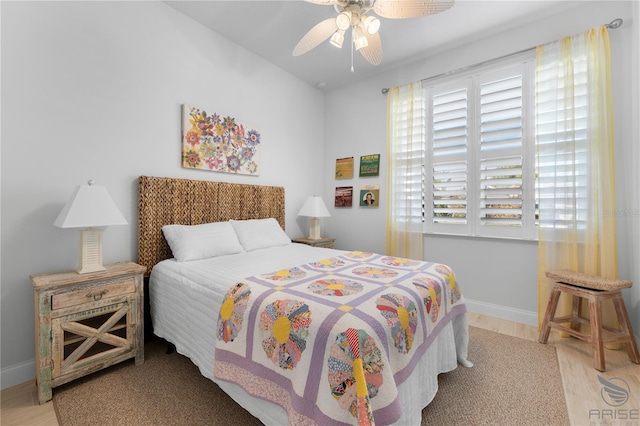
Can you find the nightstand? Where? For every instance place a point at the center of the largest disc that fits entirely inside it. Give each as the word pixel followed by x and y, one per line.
pixel 86 322
pixel 324 242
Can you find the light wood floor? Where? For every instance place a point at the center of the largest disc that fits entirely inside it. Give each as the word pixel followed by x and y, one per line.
pixel 583 391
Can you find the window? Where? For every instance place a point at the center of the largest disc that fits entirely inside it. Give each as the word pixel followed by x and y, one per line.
pixel 562 147
pixel 407 178
pixel 480 153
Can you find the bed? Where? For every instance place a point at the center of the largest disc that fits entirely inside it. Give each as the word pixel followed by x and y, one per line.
pixel 295 334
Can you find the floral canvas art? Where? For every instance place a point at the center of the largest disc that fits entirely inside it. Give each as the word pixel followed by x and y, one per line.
pixel 216 143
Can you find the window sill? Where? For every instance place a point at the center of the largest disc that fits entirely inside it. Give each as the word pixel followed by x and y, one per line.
pixel 479 237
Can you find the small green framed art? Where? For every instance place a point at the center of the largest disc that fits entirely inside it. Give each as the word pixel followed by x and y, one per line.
pixel 370 165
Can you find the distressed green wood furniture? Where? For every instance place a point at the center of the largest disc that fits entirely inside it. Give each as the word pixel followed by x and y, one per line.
pixel 86 322
pixel 324 242
pixel 595 290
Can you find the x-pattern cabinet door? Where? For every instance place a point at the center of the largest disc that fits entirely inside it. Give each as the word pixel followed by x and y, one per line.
pixel 84 338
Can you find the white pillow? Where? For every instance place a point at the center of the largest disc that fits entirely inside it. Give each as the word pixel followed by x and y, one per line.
pixel 193 242
pixel 260 233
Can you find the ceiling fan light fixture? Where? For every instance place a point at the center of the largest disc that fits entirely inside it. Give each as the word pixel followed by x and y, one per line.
pixel 337 38
pixel 343 20
pixel 361 42
pixel 371 24
pixel 359 39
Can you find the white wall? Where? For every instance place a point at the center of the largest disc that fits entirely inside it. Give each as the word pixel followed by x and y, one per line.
pixel 93 90
pixel 499 277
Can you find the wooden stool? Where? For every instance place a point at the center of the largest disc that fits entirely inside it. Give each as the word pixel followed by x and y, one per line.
pixel 595 290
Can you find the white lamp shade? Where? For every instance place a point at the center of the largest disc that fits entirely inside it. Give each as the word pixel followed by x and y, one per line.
pixel 89 206
pixel 337 38
pixel 370 23
pixel 343 20
pixel 314 207
pixel 359 39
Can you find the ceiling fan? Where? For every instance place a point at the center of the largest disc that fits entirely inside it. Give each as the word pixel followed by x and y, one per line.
pixel 365 37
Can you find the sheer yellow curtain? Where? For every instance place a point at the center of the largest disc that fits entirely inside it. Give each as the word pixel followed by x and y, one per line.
pixel 575 161
pixel 405 156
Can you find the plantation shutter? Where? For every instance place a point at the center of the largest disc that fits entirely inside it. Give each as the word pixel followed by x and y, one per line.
pixel 562 148
pixel 407 171
pixel 448 157
pixel 500 151
pixel 410 193
pixel 480 154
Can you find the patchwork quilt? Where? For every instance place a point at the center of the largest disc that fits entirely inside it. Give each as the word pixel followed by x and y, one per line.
pixel 329 341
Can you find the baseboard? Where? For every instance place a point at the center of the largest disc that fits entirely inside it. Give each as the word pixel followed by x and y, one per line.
pixel 508 314
pixel 502 312
pixel 17 374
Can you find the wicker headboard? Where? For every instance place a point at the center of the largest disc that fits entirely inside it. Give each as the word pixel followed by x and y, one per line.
pixel 164 201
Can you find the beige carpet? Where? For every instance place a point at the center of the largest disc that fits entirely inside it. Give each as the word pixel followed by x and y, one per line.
pixel 513 382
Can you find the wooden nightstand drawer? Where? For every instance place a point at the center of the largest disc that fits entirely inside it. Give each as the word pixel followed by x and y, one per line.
pixel 92 294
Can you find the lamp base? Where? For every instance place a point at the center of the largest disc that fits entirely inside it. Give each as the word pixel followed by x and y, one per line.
pixel 314 228
pixel 90 251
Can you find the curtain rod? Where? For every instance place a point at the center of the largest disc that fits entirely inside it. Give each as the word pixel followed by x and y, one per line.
pixel 616 23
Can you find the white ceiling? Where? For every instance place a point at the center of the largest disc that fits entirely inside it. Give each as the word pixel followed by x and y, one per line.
pixel 271 29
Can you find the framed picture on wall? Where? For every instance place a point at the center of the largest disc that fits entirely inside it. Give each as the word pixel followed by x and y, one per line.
pixel 344 196
pixel 218 143
pixel 370 165
pixel 370 196
pixel 344 168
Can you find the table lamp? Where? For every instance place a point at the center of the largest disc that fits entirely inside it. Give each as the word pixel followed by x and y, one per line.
pixel 90 206
pixel 314 208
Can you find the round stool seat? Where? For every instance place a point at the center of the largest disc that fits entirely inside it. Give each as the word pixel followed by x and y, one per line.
pixel 588 281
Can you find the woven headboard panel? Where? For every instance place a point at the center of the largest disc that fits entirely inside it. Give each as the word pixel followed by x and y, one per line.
pixel 164 201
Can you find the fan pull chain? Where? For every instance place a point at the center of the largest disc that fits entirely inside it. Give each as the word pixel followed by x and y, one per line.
pixel 353 30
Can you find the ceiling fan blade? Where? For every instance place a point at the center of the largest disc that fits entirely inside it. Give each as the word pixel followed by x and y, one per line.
pixel 400 9
pixel 315 36
pixel 373 52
